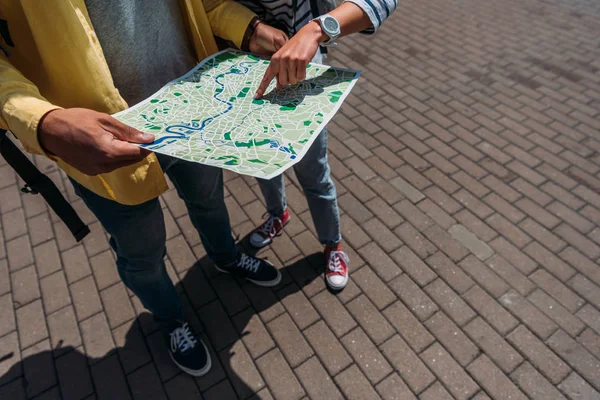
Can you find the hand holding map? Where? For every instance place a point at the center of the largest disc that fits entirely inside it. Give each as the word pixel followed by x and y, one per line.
pixel 209 115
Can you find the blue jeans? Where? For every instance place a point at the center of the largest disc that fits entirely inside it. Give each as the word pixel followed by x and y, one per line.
pixel 138 233
pixel 314 176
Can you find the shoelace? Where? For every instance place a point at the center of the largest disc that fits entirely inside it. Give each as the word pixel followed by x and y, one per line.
pixel 183 339
pixel 335 258
pixel 268 228
pixel 249 263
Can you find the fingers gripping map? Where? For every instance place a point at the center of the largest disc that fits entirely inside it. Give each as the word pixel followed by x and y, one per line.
pixel 209 115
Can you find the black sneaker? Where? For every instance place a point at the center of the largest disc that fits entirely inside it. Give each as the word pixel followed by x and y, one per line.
pixel 188 351
pixel 256 270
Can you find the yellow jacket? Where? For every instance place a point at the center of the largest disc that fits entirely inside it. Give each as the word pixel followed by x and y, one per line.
pixel 55 60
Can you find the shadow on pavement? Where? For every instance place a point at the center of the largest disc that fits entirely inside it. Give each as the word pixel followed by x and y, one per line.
pixel 220 308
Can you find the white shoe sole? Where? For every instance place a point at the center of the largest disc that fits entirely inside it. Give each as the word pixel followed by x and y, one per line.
pixel 340 286
pixel 272 283
pixel 199 372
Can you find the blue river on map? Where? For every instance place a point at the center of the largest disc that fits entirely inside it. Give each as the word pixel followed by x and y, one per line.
pixel 184 131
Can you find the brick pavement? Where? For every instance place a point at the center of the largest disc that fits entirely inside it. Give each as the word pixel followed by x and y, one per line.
pixel 468 169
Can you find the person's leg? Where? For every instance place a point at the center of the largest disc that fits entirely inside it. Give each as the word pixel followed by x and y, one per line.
pixel 314 175
pixel 138 237
pixel 273 191
pixel 201 188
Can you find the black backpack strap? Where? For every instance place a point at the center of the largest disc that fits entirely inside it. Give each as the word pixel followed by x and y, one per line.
pixel 36 182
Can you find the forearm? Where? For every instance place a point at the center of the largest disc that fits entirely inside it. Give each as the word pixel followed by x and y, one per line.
pixel 352 18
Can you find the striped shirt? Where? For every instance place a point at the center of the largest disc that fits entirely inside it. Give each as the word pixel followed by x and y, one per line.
pixel 291 15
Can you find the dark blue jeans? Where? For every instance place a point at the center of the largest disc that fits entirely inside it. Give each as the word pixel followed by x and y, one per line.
pixel 138 233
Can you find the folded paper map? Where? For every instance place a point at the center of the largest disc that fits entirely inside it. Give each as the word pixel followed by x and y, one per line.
pixel 209 115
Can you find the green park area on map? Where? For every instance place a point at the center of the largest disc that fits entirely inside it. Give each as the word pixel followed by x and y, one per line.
pixel 209 115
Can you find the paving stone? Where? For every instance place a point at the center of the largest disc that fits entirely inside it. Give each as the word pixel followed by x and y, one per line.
pixel 575 387
pixel 528 314
pixel 355 386
pixel 55 292
pixel 76 264
pixel 493 380
pixel 415 240
pixel 97 339
pixel 4 280
pixel 316 381
pixel 583 264
pixel 493 345
pixel 577 356
pixel 413 266
pixel 490 310
pixel 182 387
pixel 558 290
pixel 408 190
pixel 471 242
pixel 450 302
pixel 373 322
pixel 534 384
pixel 586 288
pixel 407 363
pixel 10 366
pixel 144 383
pixel 19 253
pixel 416 299
pixel 542 358
pixel 382 235
pixel 85 298
pixel 513 255
pixel 484 276
pixel 408 326
pixel 253 333
pixel 298 306
pixel 436 392
pixel 560 315
pixel 31 324
pixel 74 376
pixel 48 252
pixel 384 212
pixel 450 373
pixel 393 387
pixel 64 332
pixel 352 233
pixel 510 274
pixel 372 363
pixel 279 377
pixel 289 340
pixel 117 305
pixel 25 286
pixel 370 284
pixel 450 272
pixel 239 366
pixel 218 325
pixel 334 313
pixel 109 379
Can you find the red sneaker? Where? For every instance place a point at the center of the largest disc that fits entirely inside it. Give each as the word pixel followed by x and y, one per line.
pixel 336 272
pixel 273 226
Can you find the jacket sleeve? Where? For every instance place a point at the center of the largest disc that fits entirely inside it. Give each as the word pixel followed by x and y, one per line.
pixel 21 106
pixel 228 19
pixel 377 10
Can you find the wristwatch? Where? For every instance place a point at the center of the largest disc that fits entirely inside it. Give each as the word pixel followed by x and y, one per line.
pixel 330 27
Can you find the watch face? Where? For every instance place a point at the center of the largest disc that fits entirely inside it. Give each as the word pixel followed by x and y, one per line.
pixel 331 24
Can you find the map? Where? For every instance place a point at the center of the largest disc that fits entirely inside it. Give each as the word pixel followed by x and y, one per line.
pixel 209 115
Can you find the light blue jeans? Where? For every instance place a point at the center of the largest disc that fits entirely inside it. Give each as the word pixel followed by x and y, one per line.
pixel 314 175
pixel 138 233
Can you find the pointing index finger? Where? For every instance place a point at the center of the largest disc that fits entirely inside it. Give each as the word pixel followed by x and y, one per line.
pixel 264 84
